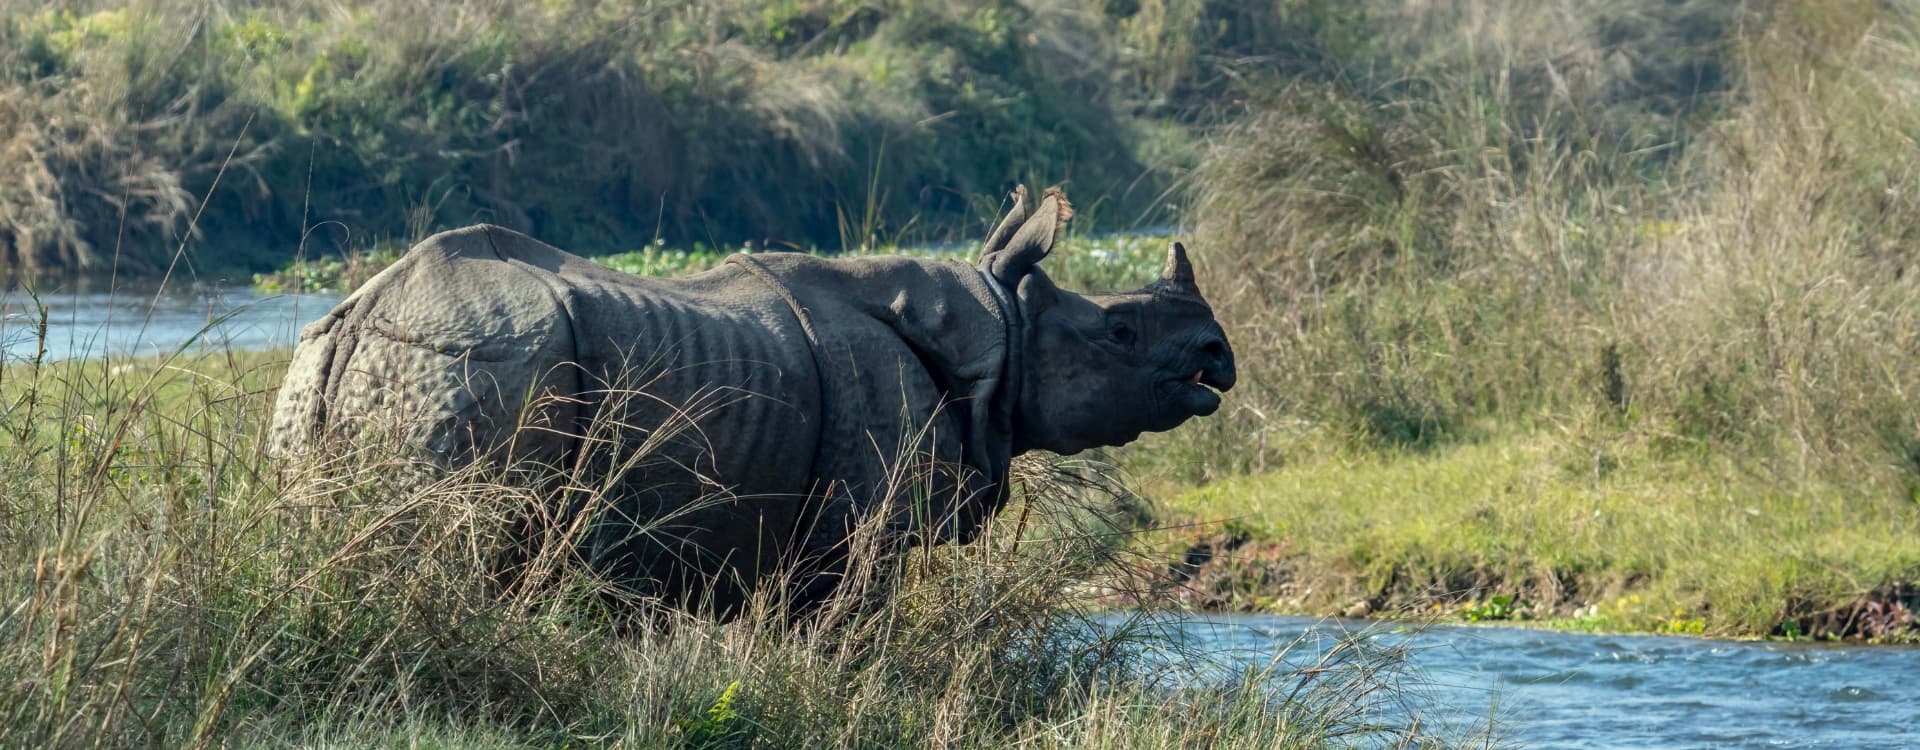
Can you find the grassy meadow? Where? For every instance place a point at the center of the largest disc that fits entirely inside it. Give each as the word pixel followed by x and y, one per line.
pixel 1596 314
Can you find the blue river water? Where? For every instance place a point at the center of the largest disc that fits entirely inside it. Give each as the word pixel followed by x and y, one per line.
pixel 134 320
pixel 1544 689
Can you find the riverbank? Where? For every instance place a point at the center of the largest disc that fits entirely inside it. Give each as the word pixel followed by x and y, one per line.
pixel 1523 529
pixel 145 530
pixel 248 135
pixel 1520 337
pixel 1532 528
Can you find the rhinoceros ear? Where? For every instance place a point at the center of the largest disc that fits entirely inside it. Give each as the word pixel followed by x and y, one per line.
pixel 1017 215
pixel 1033 241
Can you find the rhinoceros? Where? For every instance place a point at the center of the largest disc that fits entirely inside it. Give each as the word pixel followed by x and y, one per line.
pixel 744 420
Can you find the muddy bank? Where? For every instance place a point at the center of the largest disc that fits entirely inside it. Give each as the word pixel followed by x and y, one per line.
pixel 1235 572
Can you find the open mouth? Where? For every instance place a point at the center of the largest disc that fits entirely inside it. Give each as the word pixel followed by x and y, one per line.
pixel 1209 380
pixel 1199 391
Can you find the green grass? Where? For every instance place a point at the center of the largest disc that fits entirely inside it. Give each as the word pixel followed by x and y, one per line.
pixel 1405 266
pixel 162 583
pixel 1097 263
pixel 1594 314
pixel 1617 537
pixel 261 133
pixel 1487 280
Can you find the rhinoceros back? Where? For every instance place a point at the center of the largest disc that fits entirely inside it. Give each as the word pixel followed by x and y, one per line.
pixel 480 333
pixel 482 344
pixel 448 351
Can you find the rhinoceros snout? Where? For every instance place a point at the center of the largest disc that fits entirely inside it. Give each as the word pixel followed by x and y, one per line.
pixel 1216 368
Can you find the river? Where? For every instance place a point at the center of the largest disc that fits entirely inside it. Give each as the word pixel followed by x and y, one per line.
pixel 134 320
pixel 1542 689
pixel 1550 689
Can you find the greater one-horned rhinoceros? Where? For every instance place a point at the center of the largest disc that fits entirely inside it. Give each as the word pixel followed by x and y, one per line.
pixel 748 417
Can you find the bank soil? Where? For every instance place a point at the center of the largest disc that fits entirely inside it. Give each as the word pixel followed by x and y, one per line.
pixel 1232 571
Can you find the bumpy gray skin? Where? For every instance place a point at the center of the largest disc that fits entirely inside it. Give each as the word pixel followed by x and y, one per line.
pixel 739 441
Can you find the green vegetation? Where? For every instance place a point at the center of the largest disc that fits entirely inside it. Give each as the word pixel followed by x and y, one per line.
pixel 161 586
pixel 1540 527
pixel 1661 238
pixel 1568 301
pixel 309 127
pixel 1595 314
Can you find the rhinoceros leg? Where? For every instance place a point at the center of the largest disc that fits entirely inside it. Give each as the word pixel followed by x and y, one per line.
pixel 699 549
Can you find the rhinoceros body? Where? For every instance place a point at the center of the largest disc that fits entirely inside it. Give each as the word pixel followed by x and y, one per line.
pixel 743 420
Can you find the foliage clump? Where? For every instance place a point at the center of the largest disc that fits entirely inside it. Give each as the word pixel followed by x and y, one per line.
pixel 1677 222
pixel 1667 244
pixel 595 125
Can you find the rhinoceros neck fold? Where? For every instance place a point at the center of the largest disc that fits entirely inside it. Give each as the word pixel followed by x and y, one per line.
pixel 822 374
pixel 1007 306
pixel 938 352
pixel 1003 403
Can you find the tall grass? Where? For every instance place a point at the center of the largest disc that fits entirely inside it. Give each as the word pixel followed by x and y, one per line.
pixel 161 583
pixel 596 125
pixel 1576 292
pixel 1524 225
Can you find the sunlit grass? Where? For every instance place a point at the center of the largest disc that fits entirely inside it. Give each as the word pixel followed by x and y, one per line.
pixel 1095 262
pixel 1591 536
pixel 320 128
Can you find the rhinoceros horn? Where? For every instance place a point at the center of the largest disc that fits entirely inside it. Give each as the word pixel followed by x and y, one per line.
pixel 1177 275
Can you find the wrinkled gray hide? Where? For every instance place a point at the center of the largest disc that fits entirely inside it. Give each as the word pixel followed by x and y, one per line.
pixel 750 443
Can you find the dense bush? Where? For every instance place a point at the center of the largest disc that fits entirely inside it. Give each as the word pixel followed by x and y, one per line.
pixel 1665 222
pixel 599 125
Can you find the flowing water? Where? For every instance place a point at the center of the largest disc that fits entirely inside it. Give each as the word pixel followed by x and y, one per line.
pixel 135 320
pixel 1567 690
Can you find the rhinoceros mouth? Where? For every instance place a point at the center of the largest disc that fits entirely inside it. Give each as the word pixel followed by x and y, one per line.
pixel 1199 391
pixel 1210 379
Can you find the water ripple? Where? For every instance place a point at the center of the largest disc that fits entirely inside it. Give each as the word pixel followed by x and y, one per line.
pixel 1578 690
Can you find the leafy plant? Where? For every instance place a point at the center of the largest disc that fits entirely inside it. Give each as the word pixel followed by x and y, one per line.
pixel 720 726
pixel 1498 607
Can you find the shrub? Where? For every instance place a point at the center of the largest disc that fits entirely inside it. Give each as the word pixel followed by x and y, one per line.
pixel 1585 216
pixel 595 125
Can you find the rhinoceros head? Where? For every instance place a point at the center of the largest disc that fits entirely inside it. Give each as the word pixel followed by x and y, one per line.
pixel 1101 369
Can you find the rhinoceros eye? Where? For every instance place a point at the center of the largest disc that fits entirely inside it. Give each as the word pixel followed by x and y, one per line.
pixel 1121 333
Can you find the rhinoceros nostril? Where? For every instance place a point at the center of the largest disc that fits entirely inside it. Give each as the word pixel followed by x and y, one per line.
pixel 1214 348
